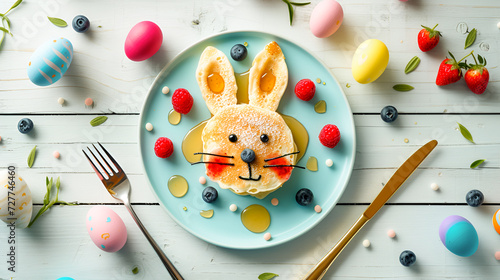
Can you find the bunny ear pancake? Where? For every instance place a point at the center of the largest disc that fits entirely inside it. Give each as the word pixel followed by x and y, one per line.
pixel 268 78
pixel 216 80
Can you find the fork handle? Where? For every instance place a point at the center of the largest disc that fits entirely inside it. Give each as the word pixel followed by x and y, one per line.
pixel 170 267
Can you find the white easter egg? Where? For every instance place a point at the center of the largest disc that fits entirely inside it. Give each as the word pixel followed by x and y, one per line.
pixel 15 199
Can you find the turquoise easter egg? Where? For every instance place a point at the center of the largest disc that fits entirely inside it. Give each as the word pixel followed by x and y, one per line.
pixel 50 61
pixel 459 236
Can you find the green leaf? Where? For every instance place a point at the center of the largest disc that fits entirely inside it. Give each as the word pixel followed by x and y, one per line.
pixel 290 10
pixel 412 64
pixel 465 133
pixel 471 38
pixel 58 22
pixel 480 59
pixel 98 120
pixel 451 55
pixel 300 4
pixel 135 270
pixel 31 157
pixel 477 163
pixel 14 6
pixel 484 61
pixel 267 276
pixel 402 87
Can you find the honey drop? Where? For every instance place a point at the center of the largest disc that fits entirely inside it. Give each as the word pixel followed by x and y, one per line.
pixel 178 186
pixel 267 81
pixel 300 135
pixel 174 117
pixel 312 164
pixel 256 218
pixel 320 107
pixel 215 83
pixel 192 143
pixel 207 213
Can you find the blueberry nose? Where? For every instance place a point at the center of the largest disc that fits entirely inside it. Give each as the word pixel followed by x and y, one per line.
pixel 248 155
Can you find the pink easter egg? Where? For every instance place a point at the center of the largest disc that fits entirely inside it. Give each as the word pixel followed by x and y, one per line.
pixel 143 41
pixel 106 229
pixel 326 18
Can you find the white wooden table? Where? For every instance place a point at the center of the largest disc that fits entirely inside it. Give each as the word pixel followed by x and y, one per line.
pixel 58 244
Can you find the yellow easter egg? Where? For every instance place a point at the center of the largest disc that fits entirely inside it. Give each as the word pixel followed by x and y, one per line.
pixel 369 61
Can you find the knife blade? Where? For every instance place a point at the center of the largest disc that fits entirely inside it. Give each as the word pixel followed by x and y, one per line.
pixel 399 177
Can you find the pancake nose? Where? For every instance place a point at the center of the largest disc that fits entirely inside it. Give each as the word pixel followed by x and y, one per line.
pixel 247 155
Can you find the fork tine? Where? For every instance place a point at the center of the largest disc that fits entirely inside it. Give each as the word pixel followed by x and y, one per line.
pixel 120 170
pixel 98 162
pixel 110 169
pixel 93 166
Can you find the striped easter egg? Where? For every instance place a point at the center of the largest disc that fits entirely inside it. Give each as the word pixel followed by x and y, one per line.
pixel 50 61
pixel 496 221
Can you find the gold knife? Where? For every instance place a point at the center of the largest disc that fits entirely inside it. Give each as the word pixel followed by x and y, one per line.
pixel 403 172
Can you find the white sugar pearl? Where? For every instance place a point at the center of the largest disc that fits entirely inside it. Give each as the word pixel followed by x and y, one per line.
pixel 366 243
pixel 202 180
pixel 233 207
pixel 434 186
pixel 329 162
pixel 165 90
pixel 149 127
pixel 60 100
pixel 498 24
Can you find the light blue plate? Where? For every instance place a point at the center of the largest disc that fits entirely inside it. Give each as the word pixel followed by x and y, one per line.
pixel 288 219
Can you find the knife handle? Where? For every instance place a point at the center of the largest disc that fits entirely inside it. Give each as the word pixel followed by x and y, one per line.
pixel 319 270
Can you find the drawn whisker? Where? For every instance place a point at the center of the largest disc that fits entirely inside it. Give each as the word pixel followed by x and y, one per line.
pixel 213 162
pixel 215 155
pixel 268 159
pixel 285 165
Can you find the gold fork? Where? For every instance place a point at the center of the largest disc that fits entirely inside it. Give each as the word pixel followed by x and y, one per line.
pixel 118 185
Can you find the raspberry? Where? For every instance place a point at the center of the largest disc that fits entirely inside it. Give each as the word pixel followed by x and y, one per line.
pixel 305 89
pixel 182 101
pixel 164 147
pixel 329 136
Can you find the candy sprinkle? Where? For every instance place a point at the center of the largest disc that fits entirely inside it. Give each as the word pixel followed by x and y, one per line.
pixel 274 201
pixel 89 102
pixel 318 80
pixel 165 90
pixel 498 25
pixel 267 236
pixel 324 83
pixel 245 44
pixel 56 154
pixel 406 140
pixel 317 208
pixel 366 243
pixel 329 162
pixel 497 255
pixel 233 207
pixel 60 101
pixel 202 180
pixel 184 208
pixel 434 187
pixel 0 138
pixel 149 126
pixel 391 233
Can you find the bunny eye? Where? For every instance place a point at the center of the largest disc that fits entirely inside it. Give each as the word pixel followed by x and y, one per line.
pixel 233 138
pixel 264 138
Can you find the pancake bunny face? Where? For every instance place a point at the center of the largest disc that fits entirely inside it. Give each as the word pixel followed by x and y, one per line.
pixel 247 148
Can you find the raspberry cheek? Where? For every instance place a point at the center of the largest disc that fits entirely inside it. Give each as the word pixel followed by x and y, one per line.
pixel 214 170
pixel 283 173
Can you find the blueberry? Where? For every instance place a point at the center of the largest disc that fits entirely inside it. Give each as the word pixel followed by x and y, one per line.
pixel 209 194
pixel 304 197
pixel 389 114
pixel 474 198
pixel 407 258
pixel 247 155
pixel 25 125
pixel 238 52
pixel 81 24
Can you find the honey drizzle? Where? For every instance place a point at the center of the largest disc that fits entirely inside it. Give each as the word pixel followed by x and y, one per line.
pixel 320 107
pixel 267 81
pixel 215 83
pixel 242 82
pixel 174 118
pixel 192 143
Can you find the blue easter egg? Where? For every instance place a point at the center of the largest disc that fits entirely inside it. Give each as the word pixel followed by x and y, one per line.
pixel 50 61
pixel 459 236
pixel 65 278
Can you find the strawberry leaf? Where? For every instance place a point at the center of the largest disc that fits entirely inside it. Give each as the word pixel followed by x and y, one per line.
pixel 402 87
pixel 412 64
pixel 451 55
pixel 480 59
pixel 471 38
pixel 484 62
pixel 465 133
pixel 477 163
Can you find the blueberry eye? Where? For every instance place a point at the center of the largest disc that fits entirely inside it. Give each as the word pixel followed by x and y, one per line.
pixel 264 138
pixel 233 138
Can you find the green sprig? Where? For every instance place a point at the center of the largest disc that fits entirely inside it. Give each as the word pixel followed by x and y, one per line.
pixel 5 21
pixel 47 202
pixel 290 7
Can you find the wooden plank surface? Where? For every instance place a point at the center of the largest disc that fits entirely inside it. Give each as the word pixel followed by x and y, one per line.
pixel 58 245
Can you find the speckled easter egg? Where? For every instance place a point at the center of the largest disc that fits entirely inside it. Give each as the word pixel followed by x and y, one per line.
pixel 496 221
pixel 50 61
pixel 326 18
pixel 106 229
pixel 369 61
pixel 143 41
pixel 14 189
pixel 459 236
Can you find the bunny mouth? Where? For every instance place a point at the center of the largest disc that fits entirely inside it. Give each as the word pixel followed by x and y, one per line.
pixel 249 178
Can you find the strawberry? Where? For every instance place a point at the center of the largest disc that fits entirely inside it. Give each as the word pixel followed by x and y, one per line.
pixel 477 76
pixel 428 38
pixel 449 72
